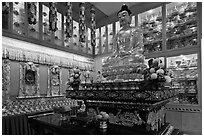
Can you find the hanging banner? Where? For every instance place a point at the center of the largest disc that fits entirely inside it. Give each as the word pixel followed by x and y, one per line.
pixel 53 16
pixel 82 25
pixel 69 20
pixel 93 29
pixel 32 10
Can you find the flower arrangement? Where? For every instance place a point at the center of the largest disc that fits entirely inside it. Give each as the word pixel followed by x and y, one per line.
pixel 74 79
pixel 103 116
pixel 156 75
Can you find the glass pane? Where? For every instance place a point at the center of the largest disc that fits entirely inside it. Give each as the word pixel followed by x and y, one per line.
pixel 75 35
pixel 117 26
pixel 58 33
pixel 45 19
pixel 110 37
pixel 132 21
pixel 89 41
pixel 103 39
pixel 97 42
pixel 33 29
pixel 151 24
pixel 181 24
pixel 185 74
pixel 5 15
pixel 19 18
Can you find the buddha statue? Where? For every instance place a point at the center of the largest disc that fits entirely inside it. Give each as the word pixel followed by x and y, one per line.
pixel 127 60
pixel 128 45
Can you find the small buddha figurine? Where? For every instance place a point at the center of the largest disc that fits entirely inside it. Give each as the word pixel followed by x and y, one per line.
pixel 127 43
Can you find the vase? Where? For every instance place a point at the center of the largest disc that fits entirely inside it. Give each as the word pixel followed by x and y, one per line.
pixel 103 124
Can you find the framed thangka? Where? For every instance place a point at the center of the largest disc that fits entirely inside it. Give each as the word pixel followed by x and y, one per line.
pixel 29 80
pixel 54 81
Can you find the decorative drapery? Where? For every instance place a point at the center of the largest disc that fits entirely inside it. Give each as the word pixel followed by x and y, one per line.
pixel 32 11
pixel 5 8
pixel 29 80
pixel 69 20
pixel 40 58
pixel 53 16
pixel 5 79
pixel 82 25
pixel 93 29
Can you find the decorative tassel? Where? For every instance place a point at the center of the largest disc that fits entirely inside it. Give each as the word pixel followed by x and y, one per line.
pixel 69 20
pixel 82 25
pixel 53 16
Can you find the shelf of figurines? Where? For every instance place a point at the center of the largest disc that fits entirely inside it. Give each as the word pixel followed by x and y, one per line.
pixel 33 106
pixel 185 99
pixel 181 31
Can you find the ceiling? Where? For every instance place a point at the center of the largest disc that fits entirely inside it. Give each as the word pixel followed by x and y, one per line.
pixel 110 8
pixel 103 9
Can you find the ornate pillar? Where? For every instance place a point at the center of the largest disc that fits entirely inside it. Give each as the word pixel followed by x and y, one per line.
pixel 93 30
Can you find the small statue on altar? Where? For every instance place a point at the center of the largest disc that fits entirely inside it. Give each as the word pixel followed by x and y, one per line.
pixel 127 43
pixel 99 77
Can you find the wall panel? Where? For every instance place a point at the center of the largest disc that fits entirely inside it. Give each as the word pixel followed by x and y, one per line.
pixel 15 76
pixel 43 79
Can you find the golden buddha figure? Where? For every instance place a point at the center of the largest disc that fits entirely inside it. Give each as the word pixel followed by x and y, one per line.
pixel 128 45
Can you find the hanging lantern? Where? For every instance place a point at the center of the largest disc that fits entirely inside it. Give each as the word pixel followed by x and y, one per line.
pixel 32 10
pixel 53 16
pixel 69 21
pixel 5 8
pixel 82 25
pixel 93 28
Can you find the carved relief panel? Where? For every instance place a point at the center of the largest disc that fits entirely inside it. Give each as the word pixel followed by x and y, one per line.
pixel 29 79
pixel 54 81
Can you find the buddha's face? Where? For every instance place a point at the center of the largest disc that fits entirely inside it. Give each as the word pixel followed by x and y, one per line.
pixel 124 18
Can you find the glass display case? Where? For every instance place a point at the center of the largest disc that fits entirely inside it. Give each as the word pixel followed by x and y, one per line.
pixel 151 24
pixel 19 18
pixel 185 77
pixel 90 49
pixel 181 25
pixel 45 21
pixel 58 32
pixel 33 28
pixel 110 37
pixel 97 41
